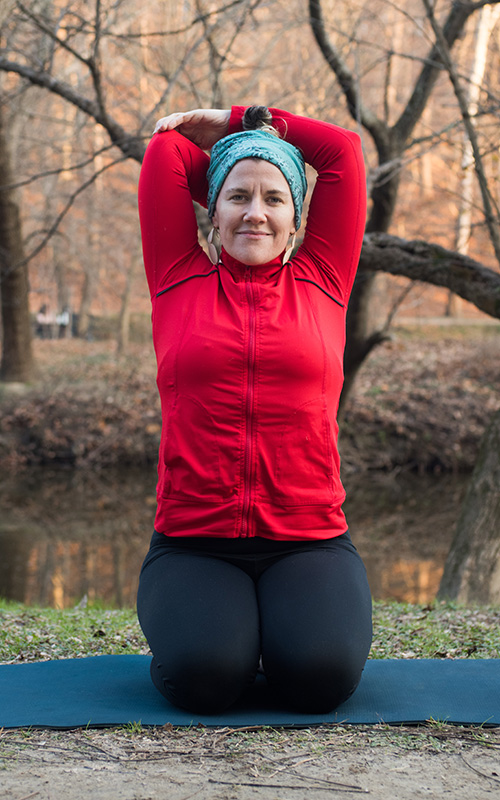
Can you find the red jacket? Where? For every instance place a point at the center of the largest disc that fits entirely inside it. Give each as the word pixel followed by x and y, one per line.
pixel 250 359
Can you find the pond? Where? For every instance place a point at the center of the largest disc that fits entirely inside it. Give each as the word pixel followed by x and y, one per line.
pixel 67 535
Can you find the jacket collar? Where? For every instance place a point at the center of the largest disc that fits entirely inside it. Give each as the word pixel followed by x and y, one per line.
pixel 260 272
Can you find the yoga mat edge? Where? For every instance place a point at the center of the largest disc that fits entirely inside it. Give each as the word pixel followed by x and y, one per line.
pixel 109 691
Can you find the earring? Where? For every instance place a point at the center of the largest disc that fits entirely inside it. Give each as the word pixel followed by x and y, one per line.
pixel 289 251
pixel 212 248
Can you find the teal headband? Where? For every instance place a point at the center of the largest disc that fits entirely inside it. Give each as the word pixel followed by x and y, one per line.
pixel 256 144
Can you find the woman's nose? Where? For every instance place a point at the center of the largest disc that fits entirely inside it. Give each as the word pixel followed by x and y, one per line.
pixel 255 210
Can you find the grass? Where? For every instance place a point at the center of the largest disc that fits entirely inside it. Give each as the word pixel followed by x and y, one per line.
pixel 401 630
pixel 37 634
pixel 438 630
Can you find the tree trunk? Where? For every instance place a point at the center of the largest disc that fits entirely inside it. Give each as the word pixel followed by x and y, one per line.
pixel 60 274
pixel 83 318
pixel 361 338
pixel 90 261
pixel 17 357
pixel 472 570
pixel 486 21
pixel 359 341
pixel 123 337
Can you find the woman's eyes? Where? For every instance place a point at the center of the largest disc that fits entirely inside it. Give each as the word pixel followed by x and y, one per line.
pixel 272 199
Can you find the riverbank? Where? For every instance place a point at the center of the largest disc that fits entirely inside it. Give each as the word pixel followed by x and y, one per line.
pixel 138 763
pixel 421 402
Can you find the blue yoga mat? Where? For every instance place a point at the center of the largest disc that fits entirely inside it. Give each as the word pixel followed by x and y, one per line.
pixel 104 691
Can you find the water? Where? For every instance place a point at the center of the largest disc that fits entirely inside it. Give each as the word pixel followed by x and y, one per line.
pixel 65 535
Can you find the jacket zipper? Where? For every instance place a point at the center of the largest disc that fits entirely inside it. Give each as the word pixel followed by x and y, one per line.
pixel 249 406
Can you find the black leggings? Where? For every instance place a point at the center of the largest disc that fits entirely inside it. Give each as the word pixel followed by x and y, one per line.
pixel 210 608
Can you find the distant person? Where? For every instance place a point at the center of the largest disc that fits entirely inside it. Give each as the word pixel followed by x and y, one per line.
pixel 43 323
pixel 62 321
pixel 251 556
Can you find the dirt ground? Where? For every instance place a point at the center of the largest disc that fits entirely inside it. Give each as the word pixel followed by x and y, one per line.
pixel 152 764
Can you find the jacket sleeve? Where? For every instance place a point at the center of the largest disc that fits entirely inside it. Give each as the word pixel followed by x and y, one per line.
pixel 173 174
pixel 336 220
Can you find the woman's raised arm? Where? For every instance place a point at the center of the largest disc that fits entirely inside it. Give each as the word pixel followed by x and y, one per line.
pixel 173 174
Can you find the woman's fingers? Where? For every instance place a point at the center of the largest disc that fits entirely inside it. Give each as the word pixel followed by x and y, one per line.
pixel 170 122
pixel 203 126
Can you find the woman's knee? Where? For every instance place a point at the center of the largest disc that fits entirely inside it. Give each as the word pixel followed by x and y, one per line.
pixel 201 620
pixel 203 686
pixel 314 686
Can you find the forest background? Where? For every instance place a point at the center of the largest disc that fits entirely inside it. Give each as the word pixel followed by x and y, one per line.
pixel 83 83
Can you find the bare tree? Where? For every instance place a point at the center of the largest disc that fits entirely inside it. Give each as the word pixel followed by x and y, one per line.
pixel 472 569
pixel 17 356
pixel 486 21
pixel 491 212
pixel 390 141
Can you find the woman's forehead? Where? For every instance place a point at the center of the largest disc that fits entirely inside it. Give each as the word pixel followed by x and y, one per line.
pixel 252 170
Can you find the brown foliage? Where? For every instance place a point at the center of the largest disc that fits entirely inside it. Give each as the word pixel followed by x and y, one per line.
pixel 422 402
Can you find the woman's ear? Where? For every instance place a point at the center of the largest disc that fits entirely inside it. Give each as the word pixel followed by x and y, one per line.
pixel 215 220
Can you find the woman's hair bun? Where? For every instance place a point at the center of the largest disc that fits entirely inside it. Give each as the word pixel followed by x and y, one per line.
pixel 258 118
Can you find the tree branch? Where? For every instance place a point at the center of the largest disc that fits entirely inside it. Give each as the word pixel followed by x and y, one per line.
pixel 59 170
pixel 358 111
pixel 50 33
pixel 490 213
pixel 171 82
pixel 55 225
pixel 95 62
pixel 433 65
pixel 184 29
pixel 130 145
pixel 431 263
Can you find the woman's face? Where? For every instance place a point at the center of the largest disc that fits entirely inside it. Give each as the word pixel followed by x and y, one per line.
pixel 254 212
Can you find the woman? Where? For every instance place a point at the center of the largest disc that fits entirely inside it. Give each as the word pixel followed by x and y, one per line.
pixel 251 557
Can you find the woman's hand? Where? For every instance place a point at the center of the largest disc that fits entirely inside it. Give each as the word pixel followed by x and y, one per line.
pixel 203 126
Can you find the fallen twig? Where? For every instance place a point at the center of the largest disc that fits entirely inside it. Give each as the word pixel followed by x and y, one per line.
pixel 340 787
pixel 478 772
pixel 287 767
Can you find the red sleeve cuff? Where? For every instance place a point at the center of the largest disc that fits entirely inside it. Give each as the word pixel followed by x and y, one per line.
pixel 235 119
